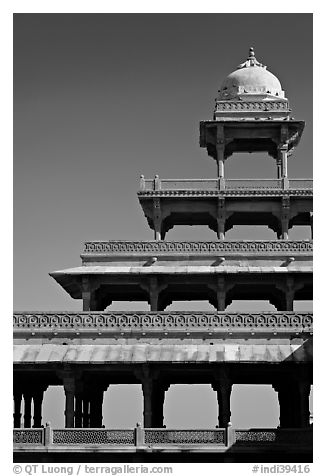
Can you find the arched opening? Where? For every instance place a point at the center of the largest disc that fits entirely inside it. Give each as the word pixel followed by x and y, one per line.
pixel 191 233
pixel 254 406
pixel 128 306
pixel 298 233
pixel 54 407
pixel 190 406
pixel 251 306
pixel 303 305
pixel 191 306
pixel 246 165
pixel 255 296
pixel 250 232
pixel 123 406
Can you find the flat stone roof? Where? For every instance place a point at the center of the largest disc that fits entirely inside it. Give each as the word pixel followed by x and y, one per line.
pixel 173 353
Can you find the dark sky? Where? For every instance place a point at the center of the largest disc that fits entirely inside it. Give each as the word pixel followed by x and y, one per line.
pixel 101 98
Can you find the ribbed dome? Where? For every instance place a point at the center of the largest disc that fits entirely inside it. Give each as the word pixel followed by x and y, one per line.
pixel 250 78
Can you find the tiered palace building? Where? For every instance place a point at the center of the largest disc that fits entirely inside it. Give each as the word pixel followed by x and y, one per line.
pixel 86 352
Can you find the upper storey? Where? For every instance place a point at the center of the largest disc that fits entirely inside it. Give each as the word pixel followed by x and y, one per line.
pixel 249 92
pixel 251 114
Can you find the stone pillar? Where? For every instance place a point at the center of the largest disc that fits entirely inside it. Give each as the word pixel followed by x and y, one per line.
pixel 78 410
pixel 69 389
pixel 88 295
pixel 27 409
pixel 220 155
pixel 221 294
pixel 96 403
pixel 79 404
pixel 303 391
pixel 154 289
pixel 147 387
pixel 17 407
pixel 284 394
pixel 279 168
pixel 285 217
pixel 289 294
pixel 86 410
pixel 157 218
pixel 223 386
pixel 221 218
pixel 37 401
pixel 158 397
pixel 283 151
pixel 293 397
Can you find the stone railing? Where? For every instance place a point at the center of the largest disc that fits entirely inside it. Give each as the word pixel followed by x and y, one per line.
pixel 167 322
pixel 148 438
pixel 157 184
pixel 197 247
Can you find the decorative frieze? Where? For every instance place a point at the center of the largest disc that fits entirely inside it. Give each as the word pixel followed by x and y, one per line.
pixel 151 321
pixel 251 106
pixel 198 247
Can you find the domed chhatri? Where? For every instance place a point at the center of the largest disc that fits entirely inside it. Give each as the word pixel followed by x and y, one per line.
pixel 251 91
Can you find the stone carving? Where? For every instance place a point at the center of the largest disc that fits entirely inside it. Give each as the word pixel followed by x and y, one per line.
pixel 28 436
pixel 119 321
pixel 251 106
pixel 79 436
pixel 255 436
pixel 156 437
pixel 184 247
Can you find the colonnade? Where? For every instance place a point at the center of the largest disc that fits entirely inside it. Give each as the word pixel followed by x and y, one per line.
pixel 84 401
pixel 159 292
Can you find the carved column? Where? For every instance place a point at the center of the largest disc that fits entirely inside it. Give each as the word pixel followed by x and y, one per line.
pixel 18 394
pixel 69 386
pixel 279 168
pixel 285 217
pixel 78 410
pixel 27 408
pixel 147 387
pixel 221 218
pixel 303 392
pixel 283 152
pixel 154 293
pixel 79 404
pixel 284 399
pixel 220 150
pixel 86 410
pixel 221 293
pixel 157 218
pixel 289 294
pixel 158 397
pixel 149 380
pixel 96 404
pixel 223 386
pixel 88 294
pixel 37 403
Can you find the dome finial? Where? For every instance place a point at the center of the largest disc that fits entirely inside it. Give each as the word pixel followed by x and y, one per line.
pixel 251 60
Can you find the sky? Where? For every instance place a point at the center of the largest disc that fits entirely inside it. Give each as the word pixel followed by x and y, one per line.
pixel 101 98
